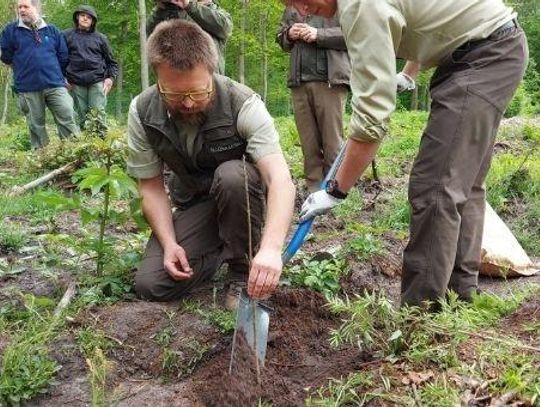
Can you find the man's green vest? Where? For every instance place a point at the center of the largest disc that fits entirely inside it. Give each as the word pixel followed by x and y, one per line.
pixel 217 140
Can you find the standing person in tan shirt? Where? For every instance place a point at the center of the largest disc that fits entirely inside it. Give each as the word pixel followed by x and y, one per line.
pixel 480 53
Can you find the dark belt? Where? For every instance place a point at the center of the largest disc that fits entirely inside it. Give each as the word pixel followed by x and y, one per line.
pixel 506 27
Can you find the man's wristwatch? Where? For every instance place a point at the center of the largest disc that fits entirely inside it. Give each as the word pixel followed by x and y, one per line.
pixel 332 188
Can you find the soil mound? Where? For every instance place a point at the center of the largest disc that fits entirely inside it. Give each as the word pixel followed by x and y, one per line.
pixel 299 357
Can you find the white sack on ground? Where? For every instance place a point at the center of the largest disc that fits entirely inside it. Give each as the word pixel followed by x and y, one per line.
pixel 502 255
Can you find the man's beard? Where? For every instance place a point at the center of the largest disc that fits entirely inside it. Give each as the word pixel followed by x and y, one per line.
pixel 29 20
pixel 195 118
pixel 190 118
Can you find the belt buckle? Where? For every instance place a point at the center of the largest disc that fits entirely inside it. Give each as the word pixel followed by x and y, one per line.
pixel 505 27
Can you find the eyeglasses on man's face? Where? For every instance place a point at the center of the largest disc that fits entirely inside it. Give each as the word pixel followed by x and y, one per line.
pixel 195 96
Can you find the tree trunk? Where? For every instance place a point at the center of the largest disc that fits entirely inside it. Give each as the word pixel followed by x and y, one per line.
pixel 119 87
pixel 142 38
pixel 120 78
pixel 242 55
pixel 427 99
pixel 6 101
pixel 19 190
pixel 414 99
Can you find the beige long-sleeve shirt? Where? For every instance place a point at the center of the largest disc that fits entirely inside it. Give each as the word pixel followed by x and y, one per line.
pixel 425 31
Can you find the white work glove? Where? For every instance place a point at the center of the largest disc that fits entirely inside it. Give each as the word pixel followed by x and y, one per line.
pixel 404 82
pixel 316 204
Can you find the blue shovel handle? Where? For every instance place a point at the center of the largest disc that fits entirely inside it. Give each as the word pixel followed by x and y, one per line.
pixel 297 240
pixel 304 227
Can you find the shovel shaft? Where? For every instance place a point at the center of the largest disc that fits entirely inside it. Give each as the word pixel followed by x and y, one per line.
pixel 304 227
pixel 297 240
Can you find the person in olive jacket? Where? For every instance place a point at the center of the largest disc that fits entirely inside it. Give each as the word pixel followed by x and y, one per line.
pixel 92 69
pixel 207 14
pixel 319 81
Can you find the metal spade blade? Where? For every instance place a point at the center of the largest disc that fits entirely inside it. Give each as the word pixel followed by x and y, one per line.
pixel 252 321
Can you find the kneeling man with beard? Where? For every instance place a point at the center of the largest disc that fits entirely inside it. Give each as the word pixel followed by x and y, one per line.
pixel 214 135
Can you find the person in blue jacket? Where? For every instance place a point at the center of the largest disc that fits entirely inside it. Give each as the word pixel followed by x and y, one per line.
pixel 92 69
pixel 38 55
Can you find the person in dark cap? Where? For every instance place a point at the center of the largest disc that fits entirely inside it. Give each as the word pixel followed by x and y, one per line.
pixel 91 70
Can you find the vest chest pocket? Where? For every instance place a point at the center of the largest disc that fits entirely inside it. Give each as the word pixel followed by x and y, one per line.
pixel 219 146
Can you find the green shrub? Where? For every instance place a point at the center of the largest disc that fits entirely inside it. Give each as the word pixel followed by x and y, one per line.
pixel 518 102
pixel 26 368
pixel 531 83
pixel 12 238
pixel 322 276
pixel 290 143
pixel 364 246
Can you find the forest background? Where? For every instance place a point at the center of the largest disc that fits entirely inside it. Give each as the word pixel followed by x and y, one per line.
pixel 252 55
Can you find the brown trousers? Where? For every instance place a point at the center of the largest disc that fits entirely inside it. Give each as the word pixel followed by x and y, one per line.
pixel 211 232
pixel 470 92
pixel 318 112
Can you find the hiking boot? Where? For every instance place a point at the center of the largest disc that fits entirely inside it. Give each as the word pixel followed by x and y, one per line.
pixel 232 297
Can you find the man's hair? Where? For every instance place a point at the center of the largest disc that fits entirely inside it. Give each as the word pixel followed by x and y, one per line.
pixel 35 3
pixel 181 45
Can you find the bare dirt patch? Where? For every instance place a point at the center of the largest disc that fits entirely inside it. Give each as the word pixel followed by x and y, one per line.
pixel 73 387
pixel 299 357
pixel 524 323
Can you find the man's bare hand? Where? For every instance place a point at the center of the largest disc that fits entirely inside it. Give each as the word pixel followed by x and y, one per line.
pixel 107 85
pixel 180 3
pixel 264 273
pixel 176 263
pixel 309 34
pixel 295 31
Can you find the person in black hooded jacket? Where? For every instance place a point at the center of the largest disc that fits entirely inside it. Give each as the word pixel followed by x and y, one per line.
pixel 91 69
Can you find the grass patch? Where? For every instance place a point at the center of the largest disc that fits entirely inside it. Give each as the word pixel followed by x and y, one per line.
pixel 349 209
pixel 511 370
pixel 402 144
pixel 176 363
pixel 376 325
pixel 343 392
pixel 94 345
pixel 408 340
pixel 439 392
pixel 26 368
pixel 393 215
pixel 181 363
pixel 290 144
pixel 90 338
pixel 98 366
pixel 26 205
pixel 12 238
pixel 364 246
pixel 224 320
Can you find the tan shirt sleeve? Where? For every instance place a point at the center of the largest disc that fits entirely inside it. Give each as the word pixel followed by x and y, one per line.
pixel 142 161
pixel 257 126
pixel 372 31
